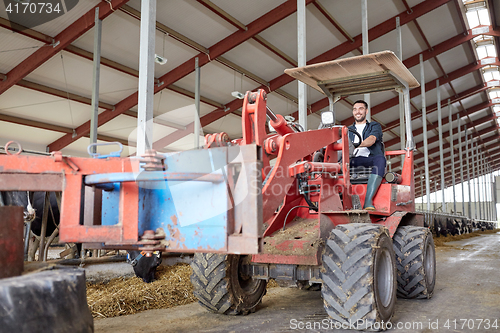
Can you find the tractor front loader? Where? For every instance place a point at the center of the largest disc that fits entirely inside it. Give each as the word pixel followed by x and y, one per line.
pixel 284 205
pixel 313 228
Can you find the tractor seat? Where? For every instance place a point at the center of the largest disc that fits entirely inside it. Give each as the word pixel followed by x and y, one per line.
pixel 360 174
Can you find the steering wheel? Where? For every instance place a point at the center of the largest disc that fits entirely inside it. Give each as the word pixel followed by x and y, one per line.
pixel 356 145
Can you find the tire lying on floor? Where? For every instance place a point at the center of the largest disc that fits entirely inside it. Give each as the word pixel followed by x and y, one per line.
pixel 415 262
pixel 48 301
pixel 359 276
pixel 220 286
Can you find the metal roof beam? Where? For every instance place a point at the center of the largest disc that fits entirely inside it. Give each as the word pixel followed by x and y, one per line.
pixel 448 168
pixel 228 18
pixel 494 161
pixel 62 40
pixel 323 103
pixel 216 50
pixel 336 52
pixel 85 100
pixel 57 128
pixel 189 42
pixel 432 126
pixel 334 22
pixel 447 145
pixel 442 47
pixel 104 61
pixel 448 178
pixel 433 107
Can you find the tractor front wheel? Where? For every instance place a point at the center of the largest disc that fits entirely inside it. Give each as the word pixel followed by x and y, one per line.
pixel 359 276
pixel 220 286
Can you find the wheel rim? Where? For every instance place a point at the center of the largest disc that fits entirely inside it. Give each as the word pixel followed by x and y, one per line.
pixel 429 262
pixel 247 283
pixel 385 277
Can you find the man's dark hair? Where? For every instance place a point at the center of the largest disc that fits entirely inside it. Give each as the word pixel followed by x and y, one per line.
pixel 361 101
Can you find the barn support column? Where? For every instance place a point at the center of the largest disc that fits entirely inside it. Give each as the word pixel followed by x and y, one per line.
pixel 468 172
pixel 365 40
pixel 452 155
pixel 478 173
pixel 490 192
pixel 474 174
pixel 399 53
pixel 493 198
pixel 96 78
pixel 146 77
pixel 422 189
pixel 461 162
pixel 197 123
pixel 441 158
pixel 483 186
pixel 435 194
pixel 302 60
pixel 424 124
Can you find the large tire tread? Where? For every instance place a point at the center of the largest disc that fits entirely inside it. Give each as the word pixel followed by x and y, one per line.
pixel 410 245
pixel 214 285
pixel 348 275
pixel 208 281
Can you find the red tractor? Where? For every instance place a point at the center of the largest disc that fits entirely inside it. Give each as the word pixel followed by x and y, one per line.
pixel 314 231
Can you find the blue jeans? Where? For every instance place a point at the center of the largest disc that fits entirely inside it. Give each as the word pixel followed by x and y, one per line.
pixel 377 161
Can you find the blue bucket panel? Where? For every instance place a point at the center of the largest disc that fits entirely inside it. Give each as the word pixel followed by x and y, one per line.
pixel 110 204
pixel 193 214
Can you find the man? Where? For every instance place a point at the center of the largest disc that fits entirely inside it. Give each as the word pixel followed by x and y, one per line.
pixel 370 152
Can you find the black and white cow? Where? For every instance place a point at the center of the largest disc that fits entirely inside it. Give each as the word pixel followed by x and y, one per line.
pixel 144 267
pixel 33 209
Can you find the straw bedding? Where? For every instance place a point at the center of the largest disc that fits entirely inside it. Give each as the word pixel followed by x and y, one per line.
pixel 124 296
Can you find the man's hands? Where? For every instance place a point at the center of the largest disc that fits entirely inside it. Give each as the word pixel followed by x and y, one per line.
pixel 368 142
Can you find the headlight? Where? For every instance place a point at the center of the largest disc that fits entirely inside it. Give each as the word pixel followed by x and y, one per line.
pixel 327 118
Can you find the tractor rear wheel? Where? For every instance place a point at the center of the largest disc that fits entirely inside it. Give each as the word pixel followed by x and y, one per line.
pixel 359 276
pixel 220 286
pixel 415 262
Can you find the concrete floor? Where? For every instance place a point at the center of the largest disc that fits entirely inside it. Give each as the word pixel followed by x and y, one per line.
pixel 467 291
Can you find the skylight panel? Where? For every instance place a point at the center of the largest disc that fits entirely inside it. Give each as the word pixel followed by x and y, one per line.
pixel 488 76
pixel 493 94
pixel 473 19
pixel 484 16
pixel 481 52
pixel 490 49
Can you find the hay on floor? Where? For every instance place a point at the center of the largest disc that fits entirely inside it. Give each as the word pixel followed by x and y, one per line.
pixel 124 296
pixel 441 241
pixel 172 287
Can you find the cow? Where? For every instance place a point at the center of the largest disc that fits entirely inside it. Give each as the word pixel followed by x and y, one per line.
pixel 144 267
pixel 53 214
pixel 33 208
pixel 33 204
